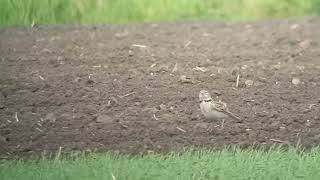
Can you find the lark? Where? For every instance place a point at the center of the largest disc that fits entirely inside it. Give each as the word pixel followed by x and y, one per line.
pixel 214 110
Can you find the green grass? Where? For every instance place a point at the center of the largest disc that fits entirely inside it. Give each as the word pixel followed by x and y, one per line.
pixel 24 12
pixel 220 165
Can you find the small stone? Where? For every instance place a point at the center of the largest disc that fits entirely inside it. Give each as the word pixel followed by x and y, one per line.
pixel 301 68
pixel 171 109
pixel 262 79
pixel 51 117
pixel 77 79
pixel 159 146
pixel 163 68
pixel 60 58
pixel 114 101
pixel 163 107
pixel 276 67
pixel 2 101
pixel 108 105
pixel 130 52
pixel 194 116
pixel 185 79
pixel 305 44
pixel 244 67
pixel 248 82
pixel 296 81
pixel 294 26
pixel 104 119
pixel 68 93
pixel 308 123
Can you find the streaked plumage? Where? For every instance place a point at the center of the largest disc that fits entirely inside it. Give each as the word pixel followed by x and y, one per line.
pixel 213 109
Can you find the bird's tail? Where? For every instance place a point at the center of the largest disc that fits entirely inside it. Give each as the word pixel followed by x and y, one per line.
pixel 232 115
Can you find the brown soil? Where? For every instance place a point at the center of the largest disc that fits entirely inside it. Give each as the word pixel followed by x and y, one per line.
pixel 135 88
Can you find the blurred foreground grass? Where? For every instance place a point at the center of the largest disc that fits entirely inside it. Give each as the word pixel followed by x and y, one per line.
pixel 25 12
pixel 225 165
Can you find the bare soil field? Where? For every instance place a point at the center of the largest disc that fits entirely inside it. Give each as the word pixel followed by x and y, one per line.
pixel 134 88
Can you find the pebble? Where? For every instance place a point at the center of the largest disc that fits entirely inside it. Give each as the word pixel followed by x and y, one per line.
pixel 262 79
pixel 244 67
pixel 114 101
pixel 301 68
pixel 248 82
pixel 294 26
pixel 296 81
pixel 51 117
pixel 163 68
pixel 305 44
pixel 130 52
pixel 163 107
pixel 185 79
pixel 308 123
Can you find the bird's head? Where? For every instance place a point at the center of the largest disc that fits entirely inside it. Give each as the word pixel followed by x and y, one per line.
pixel 204 96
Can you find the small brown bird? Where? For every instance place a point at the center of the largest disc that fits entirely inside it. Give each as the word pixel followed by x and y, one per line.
pixel 214 110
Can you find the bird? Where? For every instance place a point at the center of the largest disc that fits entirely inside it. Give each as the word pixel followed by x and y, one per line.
pixel 214 110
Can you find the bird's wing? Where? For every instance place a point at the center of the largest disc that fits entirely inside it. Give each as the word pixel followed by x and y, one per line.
pixel 219 106
pixel 222 107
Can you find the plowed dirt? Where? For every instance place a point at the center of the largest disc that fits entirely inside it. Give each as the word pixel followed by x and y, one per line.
pixel 134 88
